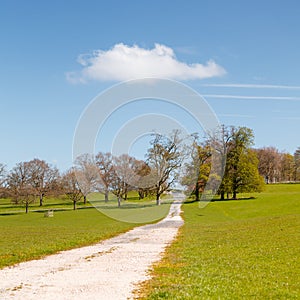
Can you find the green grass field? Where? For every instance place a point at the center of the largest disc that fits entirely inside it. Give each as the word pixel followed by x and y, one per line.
pixel 31 236
pixel 242 249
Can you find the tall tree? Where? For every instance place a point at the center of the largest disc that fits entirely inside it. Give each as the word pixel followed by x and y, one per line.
pixel 230 142
pixel 198 169
pixel 165 157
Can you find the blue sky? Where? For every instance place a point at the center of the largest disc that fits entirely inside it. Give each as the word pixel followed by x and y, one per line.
pixel 255 43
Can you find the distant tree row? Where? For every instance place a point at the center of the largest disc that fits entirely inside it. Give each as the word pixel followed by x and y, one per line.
pixel 224 162
pixel 104 173
pixel 276 166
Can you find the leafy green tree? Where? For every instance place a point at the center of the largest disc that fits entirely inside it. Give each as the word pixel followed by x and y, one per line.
pixel 230 142
pixel 245 176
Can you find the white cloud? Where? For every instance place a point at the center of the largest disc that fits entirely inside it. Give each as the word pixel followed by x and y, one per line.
pixel 123 62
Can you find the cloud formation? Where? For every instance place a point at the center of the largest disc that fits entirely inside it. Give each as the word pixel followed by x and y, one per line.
pixel 124 62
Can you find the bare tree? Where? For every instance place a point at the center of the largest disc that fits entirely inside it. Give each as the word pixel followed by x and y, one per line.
pixel 3 179
pixel 42 177
pixel 71 187
pixel 125 176
pixel 269 163
pixel 87 174
pixel 19 187
pixel 104 162
pixel 165 157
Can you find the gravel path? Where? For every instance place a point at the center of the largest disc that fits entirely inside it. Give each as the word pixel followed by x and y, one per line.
pixel 108 270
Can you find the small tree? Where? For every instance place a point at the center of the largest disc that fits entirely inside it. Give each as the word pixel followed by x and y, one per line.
pixel 19 187
pixel 42 177
pixel 71 187
pixel 124 177
pixel 104 162
pixel 87 174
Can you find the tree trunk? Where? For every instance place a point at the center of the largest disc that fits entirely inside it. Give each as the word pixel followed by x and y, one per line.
pixel 141 194
pixel 234 195
pixel 41 199
pixel 84 199
pixel 197 191
pixel 74 205
pixel 106 196
pixel 157 199
pixel 222 195
pixel 119 201
pixel 26 207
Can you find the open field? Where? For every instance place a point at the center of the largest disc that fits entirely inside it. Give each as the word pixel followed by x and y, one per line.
pixel 30 236
pixel 242 249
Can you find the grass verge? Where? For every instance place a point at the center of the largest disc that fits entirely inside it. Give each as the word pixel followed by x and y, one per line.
pixel 244 249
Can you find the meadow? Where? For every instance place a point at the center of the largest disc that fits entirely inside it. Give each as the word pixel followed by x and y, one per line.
pixel 32 236
pixel 236 249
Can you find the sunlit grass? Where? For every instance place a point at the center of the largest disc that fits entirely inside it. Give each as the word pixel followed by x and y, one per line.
pixel 245 249
pixel 30 236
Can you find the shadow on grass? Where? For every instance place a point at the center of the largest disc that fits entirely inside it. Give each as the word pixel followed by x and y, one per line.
pixel 230 199
pixel 191 201
pixel 128 206
pixel 4 214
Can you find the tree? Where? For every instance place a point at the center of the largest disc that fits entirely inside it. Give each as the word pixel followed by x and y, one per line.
pixel 198 169
pixel 87 174
pixel 2 178
pixel 288 167
pixel 297 164
pixel 164 157
pixel 241 139
pixel 125 176
pixel 20 189
pixel 269 164
pixel 143 171
pixel 231 143
pixel 245 177
pixel 42 177
pixel 71 187
pixel 104 162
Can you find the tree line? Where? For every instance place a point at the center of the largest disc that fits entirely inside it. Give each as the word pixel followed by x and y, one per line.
pixel 240 168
